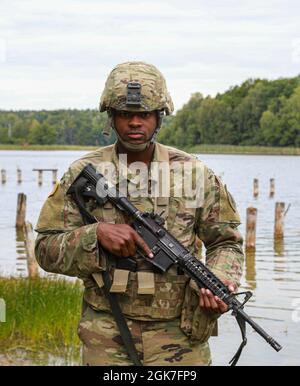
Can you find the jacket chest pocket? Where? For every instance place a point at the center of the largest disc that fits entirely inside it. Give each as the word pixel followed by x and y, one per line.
pixel 106 213
pixel 181 220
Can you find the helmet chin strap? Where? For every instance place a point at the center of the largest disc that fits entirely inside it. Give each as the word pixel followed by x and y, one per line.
pixel 135 147
pixel 138 146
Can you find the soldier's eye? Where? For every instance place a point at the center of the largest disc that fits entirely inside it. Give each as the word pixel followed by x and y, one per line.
pixel 124 114
pixel 145 114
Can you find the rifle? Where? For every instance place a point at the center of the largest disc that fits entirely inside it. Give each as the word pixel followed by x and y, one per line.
pixel 167 250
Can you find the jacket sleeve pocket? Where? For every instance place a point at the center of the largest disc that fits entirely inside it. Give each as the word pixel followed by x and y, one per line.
pixel 198 324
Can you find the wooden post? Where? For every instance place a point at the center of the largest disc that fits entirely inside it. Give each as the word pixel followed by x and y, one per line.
pixel 272 187
pixel 21 210
pixel 3 176
pixel 255 187
pixel 32 265
pixel 19 176
pixel 40 177
pixel 54 176
pixel 279 220
pixel 251 228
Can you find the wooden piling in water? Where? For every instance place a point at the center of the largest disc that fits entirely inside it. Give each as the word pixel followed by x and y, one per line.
pixel 279 220
pixel 19 176
pixel 21 210
pixel 40 177
pixel 32 265
pixel 3 176
pixel 54 176
pixel 272 187
pixel 255 187
pixel 251 228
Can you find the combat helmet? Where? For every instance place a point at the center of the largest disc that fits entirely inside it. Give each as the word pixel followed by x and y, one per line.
pixel 136 86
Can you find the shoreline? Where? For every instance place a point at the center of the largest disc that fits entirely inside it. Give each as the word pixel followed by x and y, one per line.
pixel 198 149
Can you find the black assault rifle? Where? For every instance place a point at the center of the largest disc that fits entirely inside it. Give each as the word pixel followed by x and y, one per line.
pixel 167 250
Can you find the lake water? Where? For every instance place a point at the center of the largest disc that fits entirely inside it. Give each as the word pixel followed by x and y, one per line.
pixel 273 273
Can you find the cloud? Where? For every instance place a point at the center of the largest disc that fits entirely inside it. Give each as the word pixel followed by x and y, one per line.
pixel 66 48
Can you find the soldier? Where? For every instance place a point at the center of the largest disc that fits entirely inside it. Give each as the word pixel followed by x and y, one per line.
pixel 169 317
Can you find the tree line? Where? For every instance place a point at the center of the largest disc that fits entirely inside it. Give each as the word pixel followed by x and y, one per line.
pixel 257 112
pixel 59 127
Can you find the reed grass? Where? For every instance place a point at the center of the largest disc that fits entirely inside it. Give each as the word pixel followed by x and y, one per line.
pixel 41 315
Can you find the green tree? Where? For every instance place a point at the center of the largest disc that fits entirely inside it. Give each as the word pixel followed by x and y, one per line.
pixel 289 118
pixel 270 129
pixel 42 134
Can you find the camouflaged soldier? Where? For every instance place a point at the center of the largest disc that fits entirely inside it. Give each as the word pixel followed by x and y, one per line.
pixel 169 317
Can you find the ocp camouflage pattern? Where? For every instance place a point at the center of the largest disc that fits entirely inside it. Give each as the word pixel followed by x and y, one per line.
pixel 65 245
pixel 154 93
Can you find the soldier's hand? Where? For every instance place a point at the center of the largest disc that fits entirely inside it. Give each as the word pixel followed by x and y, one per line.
pixel 121 239
pixel 212 303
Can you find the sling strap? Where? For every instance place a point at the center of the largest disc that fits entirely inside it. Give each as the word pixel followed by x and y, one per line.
pixel 119 317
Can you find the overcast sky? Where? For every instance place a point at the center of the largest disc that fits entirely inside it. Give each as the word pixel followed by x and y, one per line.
pixel 58 53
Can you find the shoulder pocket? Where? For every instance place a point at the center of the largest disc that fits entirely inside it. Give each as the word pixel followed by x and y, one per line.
pixel 228 210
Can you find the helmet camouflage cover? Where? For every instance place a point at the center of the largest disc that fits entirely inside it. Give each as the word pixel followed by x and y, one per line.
pixel 136 86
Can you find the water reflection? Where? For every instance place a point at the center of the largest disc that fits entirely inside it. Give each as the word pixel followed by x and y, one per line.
pixel 21 252
pixel 279 262
pixel 278 246
pixel 250 271
pixel 32 357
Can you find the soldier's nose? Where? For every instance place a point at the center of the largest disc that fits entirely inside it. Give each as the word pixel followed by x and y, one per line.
pixel 135 121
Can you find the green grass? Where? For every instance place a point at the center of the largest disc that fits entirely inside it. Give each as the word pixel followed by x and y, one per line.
pixel 41 315
pixel 233 149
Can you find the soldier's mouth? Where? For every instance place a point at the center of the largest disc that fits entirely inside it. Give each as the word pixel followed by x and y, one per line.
pixel 136 136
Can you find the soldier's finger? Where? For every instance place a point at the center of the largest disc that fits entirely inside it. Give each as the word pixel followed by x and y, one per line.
pixel 201 303
pixel 130 244
pixel 116 251
pixel 222 306
pixel 230 285
pixel 206 300
pixel 213 304
pixel 142 244
pixel 125 252
pixel 201 297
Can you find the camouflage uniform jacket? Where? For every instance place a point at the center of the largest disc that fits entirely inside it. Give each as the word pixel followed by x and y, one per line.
pixel 66 246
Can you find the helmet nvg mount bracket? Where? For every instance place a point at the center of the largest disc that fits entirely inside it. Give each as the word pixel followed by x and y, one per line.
pixel 133 94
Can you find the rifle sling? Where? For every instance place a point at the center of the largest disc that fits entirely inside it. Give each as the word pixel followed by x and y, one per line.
pixel 120 319
pixel 111 297
pixel 242 324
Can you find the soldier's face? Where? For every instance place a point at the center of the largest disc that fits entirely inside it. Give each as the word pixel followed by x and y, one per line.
pixel 135 127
